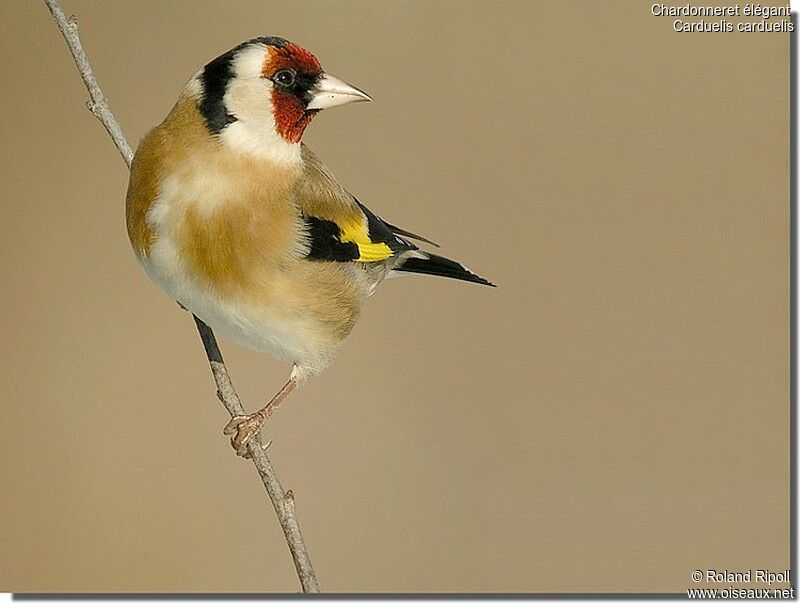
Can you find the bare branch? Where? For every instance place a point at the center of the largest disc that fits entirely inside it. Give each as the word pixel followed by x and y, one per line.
pixel 282 501
pixel 98 105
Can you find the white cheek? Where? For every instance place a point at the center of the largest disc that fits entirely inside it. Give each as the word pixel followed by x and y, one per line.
pixel 248 98
pixel 253 133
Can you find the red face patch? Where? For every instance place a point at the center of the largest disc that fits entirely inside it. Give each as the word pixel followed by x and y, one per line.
pixel 291 117
pixel 290 56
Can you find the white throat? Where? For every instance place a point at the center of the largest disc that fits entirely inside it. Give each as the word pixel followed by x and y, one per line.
pixel 260 143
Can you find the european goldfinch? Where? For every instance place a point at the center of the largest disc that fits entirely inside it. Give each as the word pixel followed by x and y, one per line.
pixel 237 220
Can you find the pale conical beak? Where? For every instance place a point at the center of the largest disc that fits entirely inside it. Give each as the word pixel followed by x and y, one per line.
pixel 331 92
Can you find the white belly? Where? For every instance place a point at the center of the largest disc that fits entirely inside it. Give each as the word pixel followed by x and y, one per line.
pixel 261 327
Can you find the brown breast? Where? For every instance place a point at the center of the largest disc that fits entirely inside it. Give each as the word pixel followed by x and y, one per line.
pixel 231 217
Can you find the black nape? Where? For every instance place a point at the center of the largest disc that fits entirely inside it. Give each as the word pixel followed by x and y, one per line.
pixel 216 76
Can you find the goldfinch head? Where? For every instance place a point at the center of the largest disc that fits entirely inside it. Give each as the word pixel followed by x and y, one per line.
pixel 265 92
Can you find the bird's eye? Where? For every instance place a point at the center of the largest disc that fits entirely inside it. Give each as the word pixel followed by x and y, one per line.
pixel 284 78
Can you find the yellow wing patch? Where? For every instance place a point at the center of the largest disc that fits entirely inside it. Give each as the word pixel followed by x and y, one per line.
pixel 368 251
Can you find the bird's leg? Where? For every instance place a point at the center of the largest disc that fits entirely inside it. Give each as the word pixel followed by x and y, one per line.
pixel 242 428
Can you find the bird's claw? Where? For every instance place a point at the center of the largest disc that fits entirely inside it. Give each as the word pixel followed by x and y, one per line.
pixel 242 429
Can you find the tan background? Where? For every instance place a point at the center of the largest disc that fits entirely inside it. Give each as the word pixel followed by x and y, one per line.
pixel 610 418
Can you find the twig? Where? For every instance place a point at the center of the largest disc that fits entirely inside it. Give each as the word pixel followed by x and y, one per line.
pixel 283 501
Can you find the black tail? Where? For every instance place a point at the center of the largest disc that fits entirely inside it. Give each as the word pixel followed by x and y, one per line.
pixel 439 266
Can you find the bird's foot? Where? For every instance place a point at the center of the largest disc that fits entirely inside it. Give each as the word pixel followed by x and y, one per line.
pixel 243 428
